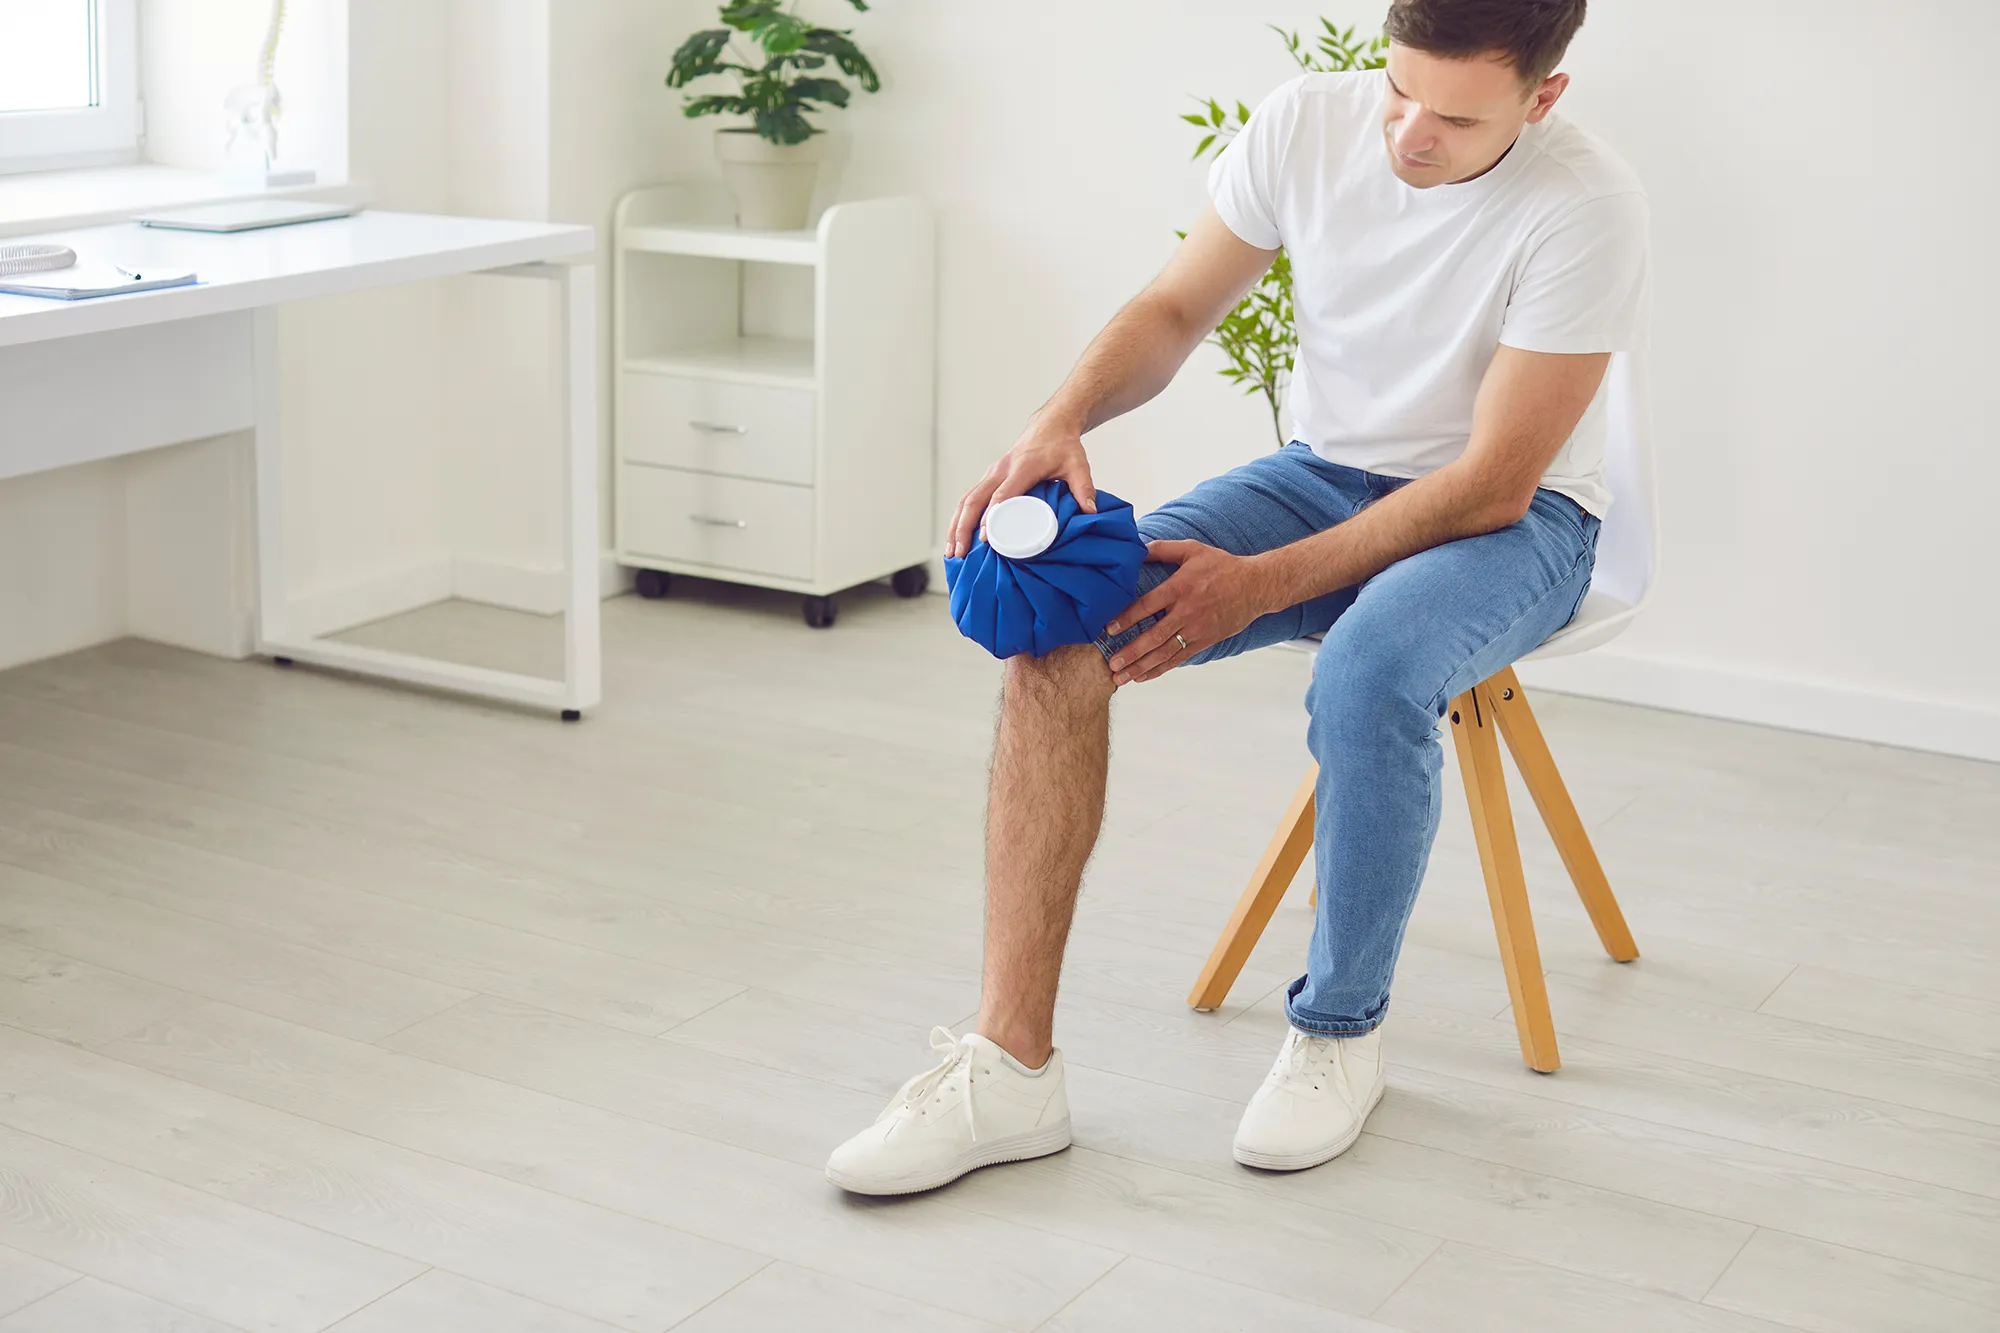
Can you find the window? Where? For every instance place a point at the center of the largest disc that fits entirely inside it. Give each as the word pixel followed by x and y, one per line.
pixel 69 83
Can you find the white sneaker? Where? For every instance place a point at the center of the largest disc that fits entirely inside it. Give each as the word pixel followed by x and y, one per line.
pixel 978 1106
pixel 1313 1103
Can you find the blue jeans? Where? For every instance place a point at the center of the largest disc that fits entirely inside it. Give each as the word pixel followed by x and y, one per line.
pixel 1397 649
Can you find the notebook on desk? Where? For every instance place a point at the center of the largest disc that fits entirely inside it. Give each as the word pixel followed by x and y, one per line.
pixel 80 282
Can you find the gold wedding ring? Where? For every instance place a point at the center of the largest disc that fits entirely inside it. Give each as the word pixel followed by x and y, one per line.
pixel 1179 640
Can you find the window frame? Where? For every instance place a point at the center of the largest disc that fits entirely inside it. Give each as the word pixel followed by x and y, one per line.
pixel 107 134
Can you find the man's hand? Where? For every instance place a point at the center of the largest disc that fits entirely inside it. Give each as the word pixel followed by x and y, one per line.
pixel 1044 450
pixel 1211 596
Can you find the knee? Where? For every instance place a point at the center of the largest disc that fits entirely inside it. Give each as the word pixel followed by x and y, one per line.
pixel 1064 679
pixel 1369 686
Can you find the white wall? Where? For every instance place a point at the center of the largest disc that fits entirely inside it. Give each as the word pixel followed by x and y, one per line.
pixel 368 87
pixel 366 404
pixel 500 465
pixel 1825 407
pixel 559 110
pixel 193 52
pixel 614 127
pixel 62 561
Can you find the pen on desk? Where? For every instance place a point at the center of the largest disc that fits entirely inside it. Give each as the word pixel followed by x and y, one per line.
pixel 136 277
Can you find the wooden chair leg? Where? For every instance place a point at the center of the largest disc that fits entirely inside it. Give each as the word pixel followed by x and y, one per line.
pixel 1268 883
pixel 1472 728
pixel 1538 769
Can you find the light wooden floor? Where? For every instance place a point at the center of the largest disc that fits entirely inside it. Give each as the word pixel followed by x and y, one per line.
pixel 325 1005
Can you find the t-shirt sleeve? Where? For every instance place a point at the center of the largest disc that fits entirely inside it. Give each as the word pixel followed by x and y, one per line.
pixel 1584 287
pixel 1245 178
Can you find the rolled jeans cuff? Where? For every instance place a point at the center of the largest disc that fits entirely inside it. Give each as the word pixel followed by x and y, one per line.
pixel 1325 1026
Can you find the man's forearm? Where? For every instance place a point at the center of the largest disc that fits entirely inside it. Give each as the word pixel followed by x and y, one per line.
pixel 1125 366
pixel 1454 502
pixel 1529 403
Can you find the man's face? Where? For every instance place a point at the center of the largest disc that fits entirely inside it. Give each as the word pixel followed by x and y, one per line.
pixel 1445 121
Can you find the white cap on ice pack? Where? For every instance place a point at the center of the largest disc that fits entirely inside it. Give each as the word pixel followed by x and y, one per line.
pixel 1021 528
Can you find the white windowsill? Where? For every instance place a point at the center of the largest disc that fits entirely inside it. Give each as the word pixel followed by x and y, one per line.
pixel 43 201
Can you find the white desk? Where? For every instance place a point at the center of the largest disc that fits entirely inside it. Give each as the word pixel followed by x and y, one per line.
pixel 219 372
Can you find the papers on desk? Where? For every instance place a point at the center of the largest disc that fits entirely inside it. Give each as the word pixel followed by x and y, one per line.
pixel 82 281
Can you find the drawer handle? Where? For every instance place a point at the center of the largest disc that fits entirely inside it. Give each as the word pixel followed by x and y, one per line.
pixel 716 428
pixel 708 522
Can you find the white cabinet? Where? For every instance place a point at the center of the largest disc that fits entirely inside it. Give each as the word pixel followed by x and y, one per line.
pixel 774 396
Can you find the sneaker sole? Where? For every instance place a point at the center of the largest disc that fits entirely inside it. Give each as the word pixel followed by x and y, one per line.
pixel 1301 1161
pixel 1020 1148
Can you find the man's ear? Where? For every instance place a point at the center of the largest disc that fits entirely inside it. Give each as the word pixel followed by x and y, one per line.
pixel 1545 97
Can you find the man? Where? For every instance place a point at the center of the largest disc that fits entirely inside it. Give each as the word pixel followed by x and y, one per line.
pixel 1465 263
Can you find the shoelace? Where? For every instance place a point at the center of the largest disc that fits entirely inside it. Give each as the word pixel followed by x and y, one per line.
pixel 956 1052
pixel 1303 1055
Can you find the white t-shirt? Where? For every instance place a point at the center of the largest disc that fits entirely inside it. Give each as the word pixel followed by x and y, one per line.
pixel 1402 295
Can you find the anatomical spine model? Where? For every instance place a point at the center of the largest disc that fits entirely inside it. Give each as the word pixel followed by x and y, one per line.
pixel 254 109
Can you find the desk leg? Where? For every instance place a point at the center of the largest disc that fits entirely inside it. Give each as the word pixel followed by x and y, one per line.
pixel 273 595
pixel 582 684
pixel 582 655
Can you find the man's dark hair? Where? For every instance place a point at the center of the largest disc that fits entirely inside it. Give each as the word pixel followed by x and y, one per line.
pixel 1531 33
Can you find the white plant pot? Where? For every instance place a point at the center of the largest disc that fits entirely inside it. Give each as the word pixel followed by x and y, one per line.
pixel 773 183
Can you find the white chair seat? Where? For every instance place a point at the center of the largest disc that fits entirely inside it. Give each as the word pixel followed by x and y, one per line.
pixel 1599 620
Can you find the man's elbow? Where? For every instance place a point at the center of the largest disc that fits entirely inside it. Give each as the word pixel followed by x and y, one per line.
pixel 1503 507
pixel 1169 310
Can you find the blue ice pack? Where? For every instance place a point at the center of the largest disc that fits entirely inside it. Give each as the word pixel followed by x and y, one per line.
pixel 1046 573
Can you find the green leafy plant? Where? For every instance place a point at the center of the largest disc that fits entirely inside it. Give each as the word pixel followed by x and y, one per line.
pixel 778 93
pixel 1259 338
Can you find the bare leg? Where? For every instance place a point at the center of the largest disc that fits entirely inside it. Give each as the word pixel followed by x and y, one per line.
pixel 1044 805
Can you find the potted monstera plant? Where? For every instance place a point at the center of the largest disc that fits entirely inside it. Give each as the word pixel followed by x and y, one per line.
pixel 785 68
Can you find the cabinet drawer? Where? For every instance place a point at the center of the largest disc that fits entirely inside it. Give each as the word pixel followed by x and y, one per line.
pixel 741 430
pixel 760 527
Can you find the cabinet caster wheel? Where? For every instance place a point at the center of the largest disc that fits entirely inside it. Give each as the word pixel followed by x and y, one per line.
pixel 820 611
pixel 571 715
pixel 281 661
pixel 653 584
pixel 912 582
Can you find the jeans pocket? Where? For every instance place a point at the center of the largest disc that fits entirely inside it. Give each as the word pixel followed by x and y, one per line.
pixel 1580 520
